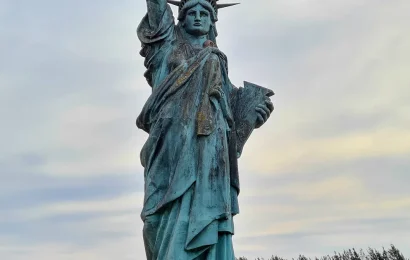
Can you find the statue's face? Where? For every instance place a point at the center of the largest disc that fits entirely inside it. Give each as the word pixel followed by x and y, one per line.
pixel 197 21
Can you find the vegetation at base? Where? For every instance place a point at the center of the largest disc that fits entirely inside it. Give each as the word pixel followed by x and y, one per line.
pixel 372 254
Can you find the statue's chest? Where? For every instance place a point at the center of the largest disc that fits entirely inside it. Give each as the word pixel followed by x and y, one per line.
pixel 179 54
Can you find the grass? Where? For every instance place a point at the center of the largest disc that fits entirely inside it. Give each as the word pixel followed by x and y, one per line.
pixel 372 254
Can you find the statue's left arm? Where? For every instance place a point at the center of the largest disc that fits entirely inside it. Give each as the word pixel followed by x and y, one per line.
pixel 263 109
pixel 263 112
pixel 251 108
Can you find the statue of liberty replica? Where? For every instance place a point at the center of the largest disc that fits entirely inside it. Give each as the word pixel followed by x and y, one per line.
pixel 198 123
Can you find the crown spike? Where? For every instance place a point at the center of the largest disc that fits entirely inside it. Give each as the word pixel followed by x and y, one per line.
pixel 176 3
pixel 220 6
pixel 181 3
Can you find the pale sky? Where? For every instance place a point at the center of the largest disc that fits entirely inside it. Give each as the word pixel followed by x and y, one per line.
pixel 329 171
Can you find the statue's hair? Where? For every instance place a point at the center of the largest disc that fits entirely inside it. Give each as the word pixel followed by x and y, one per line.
pixel 192 3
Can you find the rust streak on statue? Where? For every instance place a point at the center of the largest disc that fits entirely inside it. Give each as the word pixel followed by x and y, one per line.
pixel 198 123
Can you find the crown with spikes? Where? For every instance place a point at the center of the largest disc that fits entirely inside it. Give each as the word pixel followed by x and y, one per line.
pixel 214 4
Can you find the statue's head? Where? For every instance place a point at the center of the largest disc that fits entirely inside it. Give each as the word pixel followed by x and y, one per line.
pixel 198 20
pixel 198 17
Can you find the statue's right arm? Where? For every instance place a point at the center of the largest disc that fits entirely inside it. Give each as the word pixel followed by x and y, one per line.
pixel 158 23
pixel 155 11
pixel 155 32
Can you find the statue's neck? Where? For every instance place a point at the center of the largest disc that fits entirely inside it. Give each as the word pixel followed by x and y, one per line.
pixel 195 41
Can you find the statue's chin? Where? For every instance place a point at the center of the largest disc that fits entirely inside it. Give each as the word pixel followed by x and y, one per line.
pixel 198 32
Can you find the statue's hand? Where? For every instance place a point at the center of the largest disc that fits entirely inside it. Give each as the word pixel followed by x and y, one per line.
pixel 263 112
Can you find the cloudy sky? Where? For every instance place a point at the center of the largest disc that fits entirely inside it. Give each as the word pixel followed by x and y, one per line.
pixel 329 171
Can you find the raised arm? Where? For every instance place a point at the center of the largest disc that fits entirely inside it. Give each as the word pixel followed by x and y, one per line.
pixel 155 30
pixel 157 24
pixel 156 10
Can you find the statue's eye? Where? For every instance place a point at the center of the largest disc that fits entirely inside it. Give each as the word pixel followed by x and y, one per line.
pixel 191 13
pixel 204 14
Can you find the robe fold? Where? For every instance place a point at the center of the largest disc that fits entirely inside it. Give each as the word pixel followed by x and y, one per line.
pixel 189 159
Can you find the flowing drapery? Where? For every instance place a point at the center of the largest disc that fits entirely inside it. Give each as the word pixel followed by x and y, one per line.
pixel 189 159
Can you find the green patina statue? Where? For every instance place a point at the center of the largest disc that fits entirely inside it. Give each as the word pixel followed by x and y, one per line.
pixel 198 123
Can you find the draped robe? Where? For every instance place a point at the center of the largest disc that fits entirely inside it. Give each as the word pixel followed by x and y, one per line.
pixel 189 159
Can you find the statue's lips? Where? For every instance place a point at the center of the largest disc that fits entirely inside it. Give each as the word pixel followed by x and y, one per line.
pixel 197 24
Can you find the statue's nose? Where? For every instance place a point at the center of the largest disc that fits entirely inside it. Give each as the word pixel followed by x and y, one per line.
pixel 198 17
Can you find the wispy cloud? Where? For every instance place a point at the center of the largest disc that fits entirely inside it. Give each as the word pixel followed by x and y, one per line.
pixel 327 172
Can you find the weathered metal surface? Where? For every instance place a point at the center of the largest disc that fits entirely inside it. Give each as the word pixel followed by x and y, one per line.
pixel 198 123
